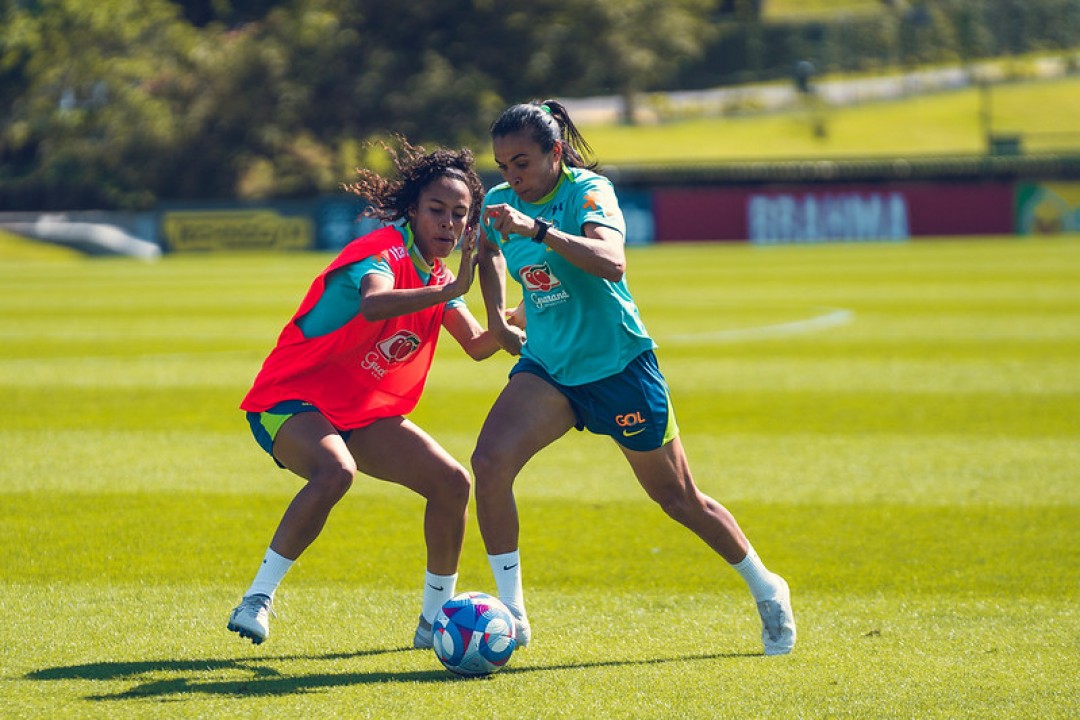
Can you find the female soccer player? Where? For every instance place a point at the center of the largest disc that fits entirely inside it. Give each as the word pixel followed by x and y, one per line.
pixel 588 361
pixel 332 396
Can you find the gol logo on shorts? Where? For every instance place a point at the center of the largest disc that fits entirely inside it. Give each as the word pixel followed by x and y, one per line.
pixel 631 423
pixel 538 278
pixel 399 346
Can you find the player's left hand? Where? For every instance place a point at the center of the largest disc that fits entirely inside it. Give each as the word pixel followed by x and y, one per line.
pixel 510 338
pixel 467 268
pixel 516 317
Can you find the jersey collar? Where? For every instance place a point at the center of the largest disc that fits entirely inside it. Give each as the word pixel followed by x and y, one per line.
pixel 564 176
pixel 417 258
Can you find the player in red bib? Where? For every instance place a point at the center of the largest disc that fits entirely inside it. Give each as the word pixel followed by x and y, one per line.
pixel 332 396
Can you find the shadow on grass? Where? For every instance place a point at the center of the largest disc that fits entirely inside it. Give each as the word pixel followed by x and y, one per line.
pixel 268 681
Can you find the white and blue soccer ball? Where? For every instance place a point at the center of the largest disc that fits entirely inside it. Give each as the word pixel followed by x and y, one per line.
pixel 474 634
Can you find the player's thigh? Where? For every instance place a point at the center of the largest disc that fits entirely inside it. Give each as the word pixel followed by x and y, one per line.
pixel 664 473
pixel 399 451
pixel 528 415
pixel 308 445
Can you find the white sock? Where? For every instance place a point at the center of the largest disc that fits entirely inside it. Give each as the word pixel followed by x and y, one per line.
pixel 507 570
pixel 270 574
pixel 437 590
pixel 761 582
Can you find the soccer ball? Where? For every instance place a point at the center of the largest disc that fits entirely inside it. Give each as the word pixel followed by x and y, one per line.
pixel 474 634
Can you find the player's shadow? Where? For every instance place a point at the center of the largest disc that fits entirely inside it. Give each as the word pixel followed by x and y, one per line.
pixel 266 680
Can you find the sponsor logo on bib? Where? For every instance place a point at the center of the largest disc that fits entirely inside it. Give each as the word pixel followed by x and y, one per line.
pixel 399 346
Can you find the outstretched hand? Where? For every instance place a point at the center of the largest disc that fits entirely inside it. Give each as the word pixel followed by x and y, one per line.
pixel 467 268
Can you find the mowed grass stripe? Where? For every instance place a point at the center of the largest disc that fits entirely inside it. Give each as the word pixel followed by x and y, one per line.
pixel 777 412
pixel 168 537
pixel 943 470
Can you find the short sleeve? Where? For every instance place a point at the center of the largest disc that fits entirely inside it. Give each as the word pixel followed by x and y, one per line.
pixel 598 204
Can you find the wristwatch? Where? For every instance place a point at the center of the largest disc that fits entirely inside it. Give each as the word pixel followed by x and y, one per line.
pixel 542 232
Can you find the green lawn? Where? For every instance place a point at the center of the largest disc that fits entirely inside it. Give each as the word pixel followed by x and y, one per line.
pixel 15 248
pixel 894 425
pixel 784 9
pixel 946 123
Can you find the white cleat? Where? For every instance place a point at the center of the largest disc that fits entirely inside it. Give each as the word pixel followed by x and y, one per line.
pixel 522 629
pixel 423 638
pixel 777 621
pixel 251 618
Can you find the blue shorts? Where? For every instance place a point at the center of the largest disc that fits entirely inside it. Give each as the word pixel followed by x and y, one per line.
pixel 633 407
pixel 265 425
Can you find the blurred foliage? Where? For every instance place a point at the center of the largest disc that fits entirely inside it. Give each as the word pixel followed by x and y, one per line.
pixel 123 103
pixel 856 37
pixel 643 42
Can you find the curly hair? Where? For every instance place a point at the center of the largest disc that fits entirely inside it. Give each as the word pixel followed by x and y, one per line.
pixel 391 199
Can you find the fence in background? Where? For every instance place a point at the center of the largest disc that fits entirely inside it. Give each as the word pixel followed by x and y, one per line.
pixel 765 203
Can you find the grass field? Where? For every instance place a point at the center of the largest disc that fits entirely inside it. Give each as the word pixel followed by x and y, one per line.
pixel 945 123
pixel 897 427
pixel 781 9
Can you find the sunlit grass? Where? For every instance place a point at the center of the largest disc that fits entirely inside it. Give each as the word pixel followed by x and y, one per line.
pixel 946 123
pixel 910 470
pixel 17 248
pixel 784 9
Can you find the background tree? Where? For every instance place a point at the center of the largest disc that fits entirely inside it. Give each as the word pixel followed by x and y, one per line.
pixel 122 103
pixel 87 117
pixel 636 44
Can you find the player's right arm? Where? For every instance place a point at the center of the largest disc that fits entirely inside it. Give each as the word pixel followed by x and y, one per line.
pixel 380 300
pixel 598 250
pixel 491 266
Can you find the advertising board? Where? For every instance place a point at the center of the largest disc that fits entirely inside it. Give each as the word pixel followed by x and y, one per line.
pixel 845 213
pixel 205 230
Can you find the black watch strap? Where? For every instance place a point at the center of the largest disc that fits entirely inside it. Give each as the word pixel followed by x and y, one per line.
pixel 542 232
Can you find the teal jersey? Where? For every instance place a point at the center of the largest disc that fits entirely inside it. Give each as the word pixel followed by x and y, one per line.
pixel 580 327
pixel 340 301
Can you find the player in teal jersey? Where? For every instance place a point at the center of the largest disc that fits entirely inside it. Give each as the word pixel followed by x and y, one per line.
pixel 588 362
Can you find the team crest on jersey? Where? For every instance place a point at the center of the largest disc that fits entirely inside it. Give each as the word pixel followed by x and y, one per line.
pixel 538 278
pixel 399 346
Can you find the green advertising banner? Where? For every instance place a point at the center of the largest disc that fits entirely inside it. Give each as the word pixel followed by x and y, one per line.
pixel 1047 208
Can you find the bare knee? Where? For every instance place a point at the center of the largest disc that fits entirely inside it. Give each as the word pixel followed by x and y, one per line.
pixel 680 506
pixel 452 490
pixel 332 481
pixel 490 468
pixel 483 460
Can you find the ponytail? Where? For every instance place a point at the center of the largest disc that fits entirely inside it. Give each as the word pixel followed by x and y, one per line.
pixel 548 123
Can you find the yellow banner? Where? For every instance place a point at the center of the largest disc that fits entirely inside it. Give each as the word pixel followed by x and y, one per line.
pixel 205 230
